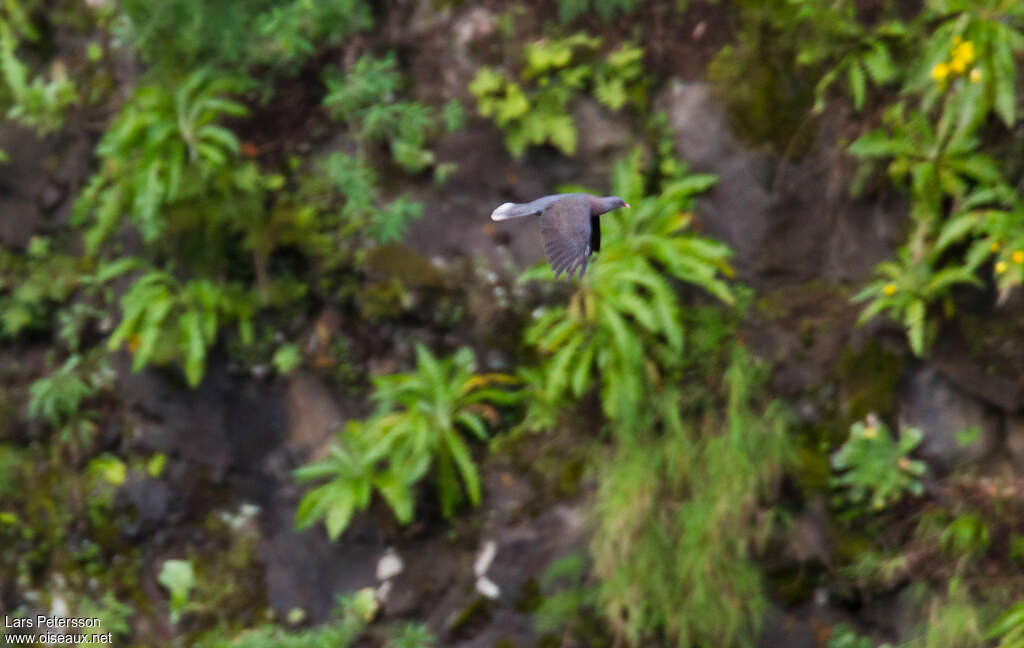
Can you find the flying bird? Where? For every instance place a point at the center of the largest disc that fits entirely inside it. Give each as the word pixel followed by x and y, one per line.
pixel 569 223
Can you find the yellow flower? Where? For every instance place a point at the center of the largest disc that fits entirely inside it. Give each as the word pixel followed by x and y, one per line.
pixel 964 52
pixel 995 246
pixel 975 75
pixel 957 40
pixel 958 65
pixel 1018 256
pixel 940 72
pixel 889 290
pixel 1000 267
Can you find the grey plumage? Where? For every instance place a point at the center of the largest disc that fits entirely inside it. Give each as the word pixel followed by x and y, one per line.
pixel 569 224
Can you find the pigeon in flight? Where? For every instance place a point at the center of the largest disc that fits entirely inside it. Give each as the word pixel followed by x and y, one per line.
pixel 569 224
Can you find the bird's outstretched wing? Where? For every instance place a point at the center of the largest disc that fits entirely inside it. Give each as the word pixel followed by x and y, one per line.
pixel 520 210
pixel 565 226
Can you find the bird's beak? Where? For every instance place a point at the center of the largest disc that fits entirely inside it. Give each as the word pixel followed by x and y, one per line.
pixel 627 206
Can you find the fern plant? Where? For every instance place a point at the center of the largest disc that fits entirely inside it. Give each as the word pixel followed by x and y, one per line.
pixel 365 98
pixel 32 285
pixel 279 34
pixel 56 397
pixel 165 145
pixel 850 50
pixel 420 421
pixel 624 322
pixel 165 320
pixel 38 103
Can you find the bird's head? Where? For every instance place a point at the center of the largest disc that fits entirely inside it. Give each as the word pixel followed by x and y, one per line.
pixel 609 203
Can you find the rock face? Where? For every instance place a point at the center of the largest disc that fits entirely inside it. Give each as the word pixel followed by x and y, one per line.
pixel 956 427
pixel 312 413
pixel 786 221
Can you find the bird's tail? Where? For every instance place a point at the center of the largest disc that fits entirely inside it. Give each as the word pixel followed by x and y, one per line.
pixel 513 210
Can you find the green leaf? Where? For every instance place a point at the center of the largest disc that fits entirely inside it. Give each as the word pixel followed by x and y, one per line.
pixel 874 143
pixel 858 84
pixel 194 347
pixel 915 321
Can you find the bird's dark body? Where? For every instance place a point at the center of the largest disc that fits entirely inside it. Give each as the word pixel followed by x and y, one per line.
pixel 570 225
pixel 567 227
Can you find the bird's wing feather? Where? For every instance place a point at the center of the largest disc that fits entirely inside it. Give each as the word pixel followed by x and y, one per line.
pixel 520 210
pixel 566 227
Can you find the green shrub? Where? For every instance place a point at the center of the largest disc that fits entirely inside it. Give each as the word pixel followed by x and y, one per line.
pixel 563 608
pixel 364 98
pixel 165 320
pixel 843 636
pixel 348 622
pixel 412 635
pixel 676 519
pixel 364 213
pixel 282 34
pixel 848 49
pixel 37 104
pixel 554 71
pixel 56 398
pixel 962 210
pixel 623 327
pixel 165 146
pixel 967 535
pixel 969 36
pixel 420 421
pixel 33 285
pixel 606 9
pixel 1009 628
pixel 875 469
pixel 950 619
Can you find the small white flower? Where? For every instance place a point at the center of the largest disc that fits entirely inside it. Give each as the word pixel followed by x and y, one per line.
pixel 390 564
pixel 485 558
pixel 487 588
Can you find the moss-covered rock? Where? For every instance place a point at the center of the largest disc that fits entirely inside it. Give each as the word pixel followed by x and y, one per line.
pixel 868 379
pixel 766 95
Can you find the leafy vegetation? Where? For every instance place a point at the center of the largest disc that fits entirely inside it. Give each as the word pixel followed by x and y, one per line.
pixel 165 319
pixel 420 421
pixel 37 103
pixel 202 182
pixel 32 285
pixel 873 468
pixel 713 469
pixel 179 579
pixel 350 616
pixel 936 145
pixel 280 33
pixel 624 326
pixel 165 146
pixel 1009 629
pixel 554 71
pixel 364 99
pixel 606 9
